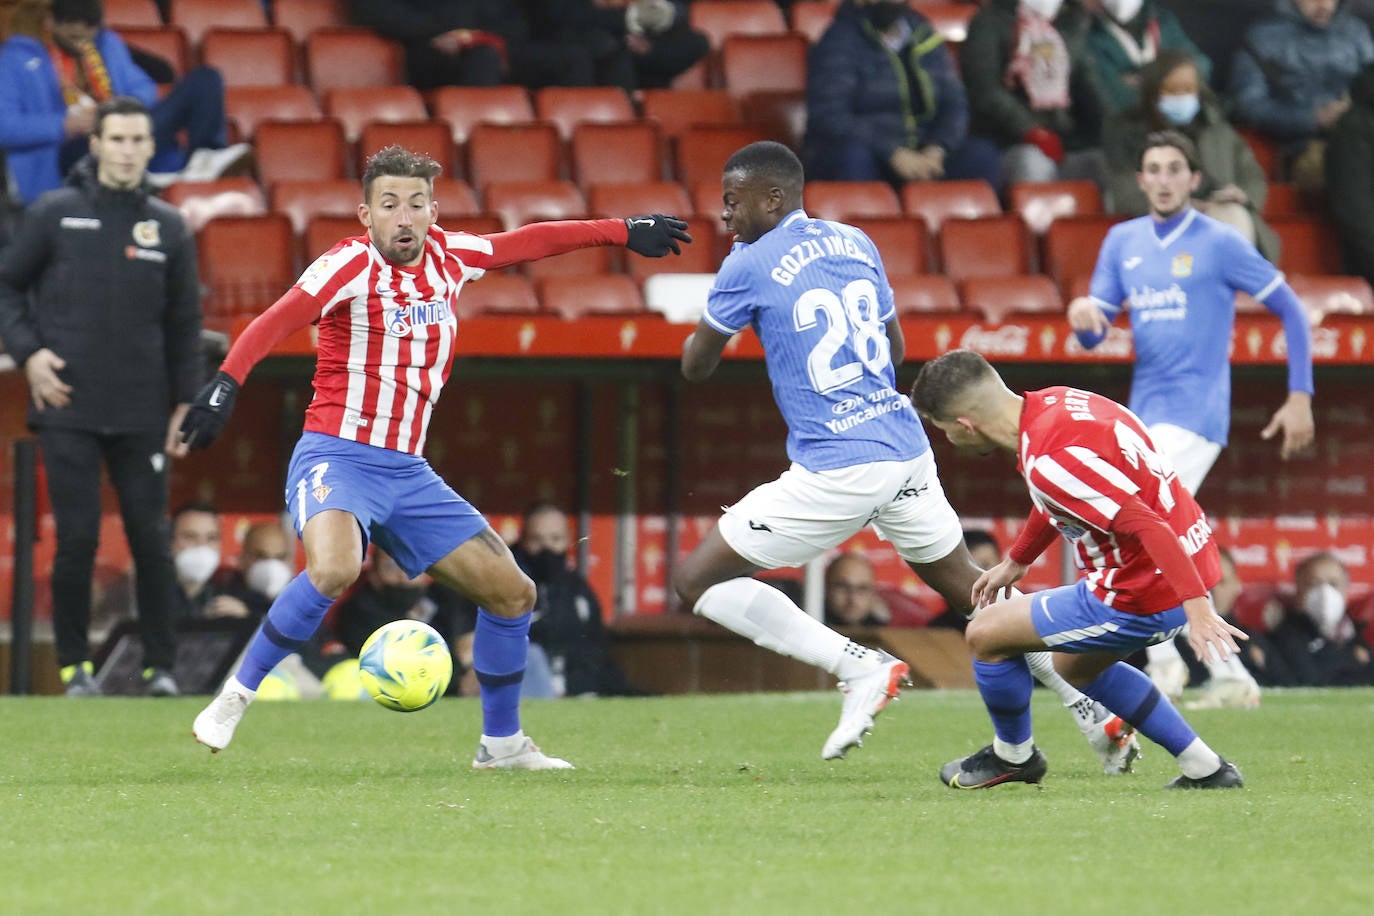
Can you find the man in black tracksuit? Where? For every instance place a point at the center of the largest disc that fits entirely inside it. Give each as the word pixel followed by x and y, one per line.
pixel 100 305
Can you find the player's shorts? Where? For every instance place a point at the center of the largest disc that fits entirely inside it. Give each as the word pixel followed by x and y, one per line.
pixel 398 499
pixel 1191 455
pixel 1071 619
pixel 802 514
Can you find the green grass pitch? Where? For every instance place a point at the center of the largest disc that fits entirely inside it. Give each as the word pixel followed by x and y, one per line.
pixel 692 805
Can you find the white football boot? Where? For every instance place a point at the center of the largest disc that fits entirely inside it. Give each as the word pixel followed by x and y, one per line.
pixel 215 725
pixel 1114 741
pixel 864 697
pixel 525 755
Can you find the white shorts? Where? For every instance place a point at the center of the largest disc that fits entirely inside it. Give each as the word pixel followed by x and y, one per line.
pixel 802 514
pixel 1191 455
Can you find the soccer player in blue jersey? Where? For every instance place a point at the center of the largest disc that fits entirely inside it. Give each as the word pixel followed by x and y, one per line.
pixel 816 294
pixel 1179 270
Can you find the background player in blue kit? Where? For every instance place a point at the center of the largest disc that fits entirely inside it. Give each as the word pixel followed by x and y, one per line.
pixel 1179 270
pixel 816 294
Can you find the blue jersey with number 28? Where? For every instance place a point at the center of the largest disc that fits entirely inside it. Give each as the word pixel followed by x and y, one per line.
pixel 816 294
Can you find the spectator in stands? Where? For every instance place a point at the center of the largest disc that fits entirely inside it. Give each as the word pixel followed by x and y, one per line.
pixel 1316 643
pixel 449 42
pixel 205 589
pixel 851 593
pixel 1128 34
pixel 51 83
pixel 1222 692
pixel 1291 78
pixel 982 547
pixel 1173 96
pixel 1350 177
pixel 567 615
pixel 100 305
pixel 1032 88
pixel 885 102
pixel 643 44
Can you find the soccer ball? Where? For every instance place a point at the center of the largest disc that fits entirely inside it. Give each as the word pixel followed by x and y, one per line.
pixel 405 665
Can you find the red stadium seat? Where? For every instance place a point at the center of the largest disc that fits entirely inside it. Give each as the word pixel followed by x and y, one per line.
pixel 924 295
pixel 781 115
pixel 1042 202
pixel 619 152
pixel 301 149
pixel 677 110
pixel 848 200
pixel 324 232
pixel 355 107
pixel 573 297
pixel 998 298
pixel 122 14
pixel 350 59
pixel 197 17
pixel 702 151
pixel 1307 245
pixel 936 201
pixel 246 263
pixel 812 17
pixel 1316 292
pixel 640 197
pixel 202 201
pixel 250 57
pixel 303 200
pixel 301 17
pixel 521 202
pixel 993 246
pixel 1070 245
pixel 513 152
pixel 464 107
pixel 166 42
pixel 584 262
pixel 902 241
pixel 249 106
pixel 763 63
pixel 720 19
pixel 498 294
pixel 1283 198
pixel 457 203
pixel 433 138
pixel 565 107
pixel 1266 151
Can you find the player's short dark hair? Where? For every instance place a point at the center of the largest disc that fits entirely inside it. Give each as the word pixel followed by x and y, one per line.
pixel 977 537
pixel 398 162
pixel 119 105
pixel 943 381
pixel 1176 139
pixel 770 160
pixel 90 12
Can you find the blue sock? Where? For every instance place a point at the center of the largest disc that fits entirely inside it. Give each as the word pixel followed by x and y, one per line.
pixel 1129 693
pixel 293 619
pixel 1006 689
pixel 499 645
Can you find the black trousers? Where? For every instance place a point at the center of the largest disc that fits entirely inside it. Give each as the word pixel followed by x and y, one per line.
pixel 138 471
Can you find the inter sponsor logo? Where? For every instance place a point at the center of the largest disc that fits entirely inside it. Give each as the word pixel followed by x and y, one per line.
pixel 400 320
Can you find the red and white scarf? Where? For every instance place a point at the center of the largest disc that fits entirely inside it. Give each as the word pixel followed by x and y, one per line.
pixel 1039 61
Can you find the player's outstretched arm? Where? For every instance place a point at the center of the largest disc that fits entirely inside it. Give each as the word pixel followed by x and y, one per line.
pixel 701 352
pixel 653 236
pixel 1294 420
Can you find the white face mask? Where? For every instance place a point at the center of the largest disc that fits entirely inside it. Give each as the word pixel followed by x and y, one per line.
pixel 1122 11
pixel 1047 8
pixel 1326 606
pixel 268 577
pixel 195 565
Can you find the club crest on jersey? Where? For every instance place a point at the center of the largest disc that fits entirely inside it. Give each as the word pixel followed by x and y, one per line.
pixel 146 233
pixel 322 492
pixel 1182 265
pixel 399 321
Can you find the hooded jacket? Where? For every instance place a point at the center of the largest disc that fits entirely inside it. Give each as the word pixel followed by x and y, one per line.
pixel 106 279
pixel 1116 69
pixel 1350 176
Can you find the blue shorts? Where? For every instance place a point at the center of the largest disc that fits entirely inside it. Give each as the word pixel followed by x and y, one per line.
pixel 397 498
pixel 1071 619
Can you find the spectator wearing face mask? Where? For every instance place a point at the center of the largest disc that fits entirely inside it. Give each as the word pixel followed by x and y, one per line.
pixel 1173 96
pixel 1128 34
pixel 266 563
pixel 205 590
pixel 1315 642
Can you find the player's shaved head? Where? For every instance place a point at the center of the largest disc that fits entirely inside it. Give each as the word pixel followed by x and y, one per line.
pixel 954 385
pixel 398 162
pixel 772 163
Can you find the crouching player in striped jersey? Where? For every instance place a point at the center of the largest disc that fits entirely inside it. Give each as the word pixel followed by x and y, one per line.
pixel 385 304
pixel 1095 477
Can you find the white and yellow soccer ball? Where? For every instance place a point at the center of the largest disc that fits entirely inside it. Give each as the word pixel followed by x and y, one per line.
pixel 405 665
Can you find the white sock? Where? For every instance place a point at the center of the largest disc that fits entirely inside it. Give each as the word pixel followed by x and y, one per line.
pixel 1198 760
pixel 1162 652
pixel 765 615
pixel 1013 753
pixel 232 685
pixel 1042 666
pixel 507 744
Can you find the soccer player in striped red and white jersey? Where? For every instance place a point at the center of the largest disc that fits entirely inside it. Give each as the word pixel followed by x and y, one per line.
pixel 385 306
pixel 1095 477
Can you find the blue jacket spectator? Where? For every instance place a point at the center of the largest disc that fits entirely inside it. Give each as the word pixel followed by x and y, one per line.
pixel 1292 75
pixel 1128 34
pixel 885 102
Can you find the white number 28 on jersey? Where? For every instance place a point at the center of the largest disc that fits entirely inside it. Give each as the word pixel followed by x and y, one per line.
pixel 850 316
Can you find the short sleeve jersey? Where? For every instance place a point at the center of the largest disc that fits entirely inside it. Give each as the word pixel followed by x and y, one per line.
pixel 1083 457
pixel 1181 290
pixel 386 336
pixel 816 294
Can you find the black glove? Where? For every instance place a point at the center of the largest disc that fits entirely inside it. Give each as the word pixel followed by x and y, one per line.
pixel 655 235
pixel 209 411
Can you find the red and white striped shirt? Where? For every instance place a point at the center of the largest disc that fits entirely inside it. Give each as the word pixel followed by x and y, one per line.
pixel 1096 477
pixel 387 332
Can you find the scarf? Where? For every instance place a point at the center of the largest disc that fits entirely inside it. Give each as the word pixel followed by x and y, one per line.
pixel 1039 62
pixel 83 75
pixel 1142 53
